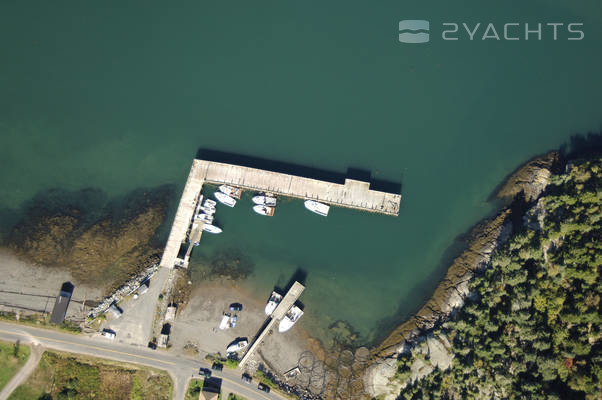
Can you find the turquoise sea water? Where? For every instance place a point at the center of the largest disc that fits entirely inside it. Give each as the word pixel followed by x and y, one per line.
pixel 120 95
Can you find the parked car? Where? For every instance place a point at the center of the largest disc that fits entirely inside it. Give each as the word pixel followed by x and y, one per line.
pixel 235 307
pixel 108 333
pixel 263 387
pixel 152 345
pixel 246 378
pixel 217 366
pixel 206 372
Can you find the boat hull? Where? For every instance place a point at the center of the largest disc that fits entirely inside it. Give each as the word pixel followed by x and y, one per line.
pixel 317 207
pixel 225 199
pixel 264 200
pixel 264 210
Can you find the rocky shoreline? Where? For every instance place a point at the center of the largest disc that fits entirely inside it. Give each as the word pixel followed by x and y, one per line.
pixel 530 180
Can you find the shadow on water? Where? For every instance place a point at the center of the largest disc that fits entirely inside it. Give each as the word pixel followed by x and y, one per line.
pixel 581 146
pixel 298 170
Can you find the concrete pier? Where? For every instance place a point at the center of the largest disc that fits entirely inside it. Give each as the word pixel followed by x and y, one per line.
pixel 287 302
pixel 352 194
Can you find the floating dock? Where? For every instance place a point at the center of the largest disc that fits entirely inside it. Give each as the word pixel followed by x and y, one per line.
pixel 352 194
pixel 287 302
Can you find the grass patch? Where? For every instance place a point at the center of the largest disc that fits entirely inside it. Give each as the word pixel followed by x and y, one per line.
pixel 12 358
pixel 265 379
pixel 233 396
pixel 40 321
pixel 67 376
pixel 194 388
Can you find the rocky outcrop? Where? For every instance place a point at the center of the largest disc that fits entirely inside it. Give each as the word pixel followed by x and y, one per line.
pixel 415 335
pixel 531 178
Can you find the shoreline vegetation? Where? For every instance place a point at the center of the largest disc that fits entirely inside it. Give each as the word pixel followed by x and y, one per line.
pixel 453 350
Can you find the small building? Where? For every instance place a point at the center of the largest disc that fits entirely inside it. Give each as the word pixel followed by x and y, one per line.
pixel 143 288
pixel 115 311
pixel 61 304
pixel 170 313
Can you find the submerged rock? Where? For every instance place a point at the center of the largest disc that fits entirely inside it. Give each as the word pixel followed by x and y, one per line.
pixel 100 244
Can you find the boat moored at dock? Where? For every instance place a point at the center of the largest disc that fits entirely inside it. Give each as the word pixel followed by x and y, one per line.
pixel 290 318
pixel 273 302
pixel 206 218
pixel 265 200
pixel 264 210
pixel 210 203
pixel 212 228
pixel 231 191
pixel 317 207
pixel 225 199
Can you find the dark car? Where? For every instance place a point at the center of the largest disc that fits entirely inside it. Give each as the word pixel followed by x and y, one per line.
pixel 246 378
pixel 217 366
pixel 206 372
pixel 263 387
pixel 235 307
pixel 152 345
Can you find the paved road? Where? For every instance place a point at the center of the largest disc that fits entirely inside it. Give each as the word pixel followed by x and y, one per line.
pixel 181 369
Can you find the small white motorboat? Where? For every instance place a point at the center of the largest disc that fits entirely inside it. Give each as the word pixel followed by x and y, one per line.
pixel 317 207
pixel 225 323
pixel 208 219
pixel 212 228
pixel 273 302
pixel 207 210
pixel 265 200
pixel 237 345
pixel 264 210
pixel 231 191
pixel 225 199
pixel 290 318
pixel 210 203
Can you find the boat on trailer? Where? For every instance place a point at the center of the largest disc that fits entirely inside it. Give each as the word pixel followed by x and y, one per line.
pixel 237 345
pixel 231 191
pixel 317 207
pixel 290 318
pixel 225 199
pixel 273 302
pixel 265 200
pixel 264 210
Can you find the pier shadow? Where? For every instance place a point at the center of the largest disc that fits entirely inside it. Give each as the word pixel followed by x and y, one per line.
pixel 298 170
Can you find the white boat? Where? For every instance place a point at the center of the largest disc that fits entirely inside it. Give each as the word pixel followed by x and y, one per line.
pixel 209 203
pixel 207 210
pixel 237 345
pixel 231 191
pixel 290 318
pixel 212 228
pixel 273 302
pixel 317 207
pixel 225 323
pixel 264 200
pixel 264 210
pixel 208 219
pixel 225 199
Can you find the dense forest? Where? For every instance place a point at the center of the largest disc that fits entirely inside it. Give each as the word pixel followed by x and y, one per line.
pixel 532 327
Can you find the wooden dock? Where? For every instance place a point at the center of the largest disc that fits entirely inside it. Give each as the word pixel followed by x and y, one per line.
pixel 287 302
pixel 352 194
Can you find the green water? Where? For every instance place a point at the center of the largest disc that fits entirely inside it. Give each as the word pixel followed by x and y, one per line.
pixel 120 95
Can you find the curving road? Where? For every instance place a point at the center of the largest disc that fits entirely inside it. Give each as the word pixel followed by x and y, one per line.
pixel 181 369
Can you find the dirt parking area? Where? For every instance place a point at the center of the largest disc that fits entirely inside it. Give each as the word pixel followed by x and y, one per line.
pixel 135 325
pixel 198 325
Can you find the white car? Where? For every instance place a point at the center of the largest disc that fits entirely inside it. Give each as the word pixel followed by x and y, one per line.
pixel 109 334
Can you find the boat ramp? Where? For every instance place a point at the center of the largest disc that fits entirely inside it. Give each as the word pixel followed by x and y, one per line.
pixel 287 302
